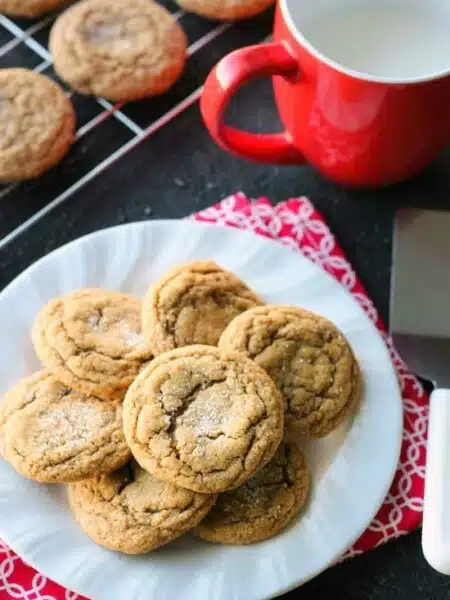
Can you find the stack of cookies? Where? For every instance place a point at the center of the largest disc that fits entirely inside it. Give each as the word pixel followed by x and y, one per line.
pixel 180 413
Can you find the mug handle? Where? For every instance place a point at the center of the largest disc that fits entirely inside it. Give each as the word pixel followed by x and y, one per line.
pixel 232 72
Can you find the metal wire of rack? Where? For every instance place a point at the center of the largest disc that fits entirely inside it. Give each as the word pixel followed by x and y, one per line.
pixel 105 132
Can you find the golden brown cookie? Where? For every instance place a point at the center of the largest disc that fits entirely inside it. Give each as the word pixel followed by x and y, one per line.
pixel 50 433
pixel 133 512
pixel 37 124
pixel 308 358
pixel 120 50
pixel 92 341
pixel 28 8
pixel 264 505
pixel 203 419
pixel 226 10
pixel 192 304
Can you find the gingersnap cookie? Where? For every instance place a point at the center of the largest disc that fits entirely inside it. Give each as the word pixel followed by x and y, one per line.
pixel 203 419
pixel 226 10
pixel 264 505
pixel 53 434
pixel 119 50
pixel 192 304
pixel 92 341
pixel 133 512
pixel 28 8
pixel 308 358
pixel 37 124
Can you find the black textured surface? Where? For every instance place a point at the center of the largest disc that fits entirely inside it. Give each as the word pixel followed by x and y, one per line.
pixel 180 170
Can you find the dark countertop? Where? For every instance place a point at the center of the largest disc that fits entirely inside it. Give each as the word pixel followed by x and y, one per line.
pixel 146 183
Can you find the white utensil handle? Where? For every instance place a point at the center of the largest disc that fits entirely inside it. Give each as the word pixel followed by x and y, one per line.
pixel 436 515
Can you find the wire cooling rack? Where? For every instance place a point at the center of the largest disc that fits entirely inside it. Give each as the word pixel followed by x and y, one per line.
pixel 106 132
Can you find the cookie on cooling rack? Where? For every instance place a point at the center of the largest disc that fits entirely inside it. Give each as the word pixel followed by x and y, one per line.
pixel 28 8
pixel 119 50
pixel 37 124
pixel 226 10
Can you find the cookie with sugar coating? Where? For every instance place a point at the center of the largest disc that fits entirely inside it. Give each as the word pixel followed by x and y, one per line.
pixel 203 419
pixel 53 434
pixel 192 304
pixel 92 341
pixel 133 512
pixel 264 505
pixel 309 359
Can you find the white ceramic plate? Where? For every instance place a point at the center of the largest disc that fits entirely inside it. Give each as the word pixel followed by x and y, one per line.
pixel 352 469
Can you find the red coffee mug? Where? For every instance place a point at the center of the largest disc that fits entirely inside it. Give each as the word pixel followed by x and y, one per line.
pixel 356 129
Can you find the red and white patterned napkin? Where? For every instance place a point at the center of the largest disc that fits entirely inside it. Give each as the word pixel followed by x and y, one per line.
pixel 299 226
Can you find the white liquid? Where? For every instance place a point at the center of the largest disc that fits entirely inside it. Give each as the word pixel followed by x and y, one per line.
pixel 383 41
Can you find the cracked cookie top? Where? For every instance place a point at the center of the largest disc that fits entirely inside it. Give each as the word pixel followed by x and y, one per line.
pixel 203 419
pixel 308 358
pixel 192 304
pixel 133 512
pixel 119 50
pixel 264 505
pixel 92 341
pixel 52 434
pixel 37 124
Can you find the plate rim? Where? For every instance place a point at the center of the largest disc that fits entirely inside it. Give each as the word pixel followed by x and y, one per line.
pixel 154 223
